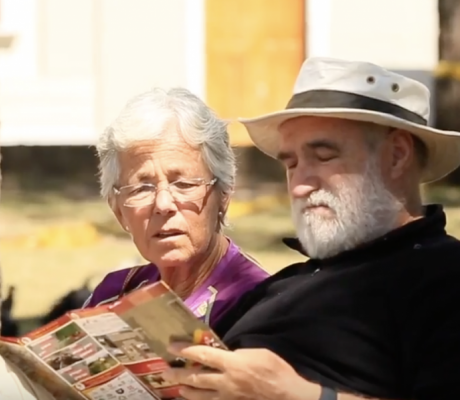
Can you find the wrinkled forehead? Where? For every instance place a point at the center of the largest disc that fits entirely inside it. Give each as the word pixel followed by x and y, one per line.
pixel 168 157
pixel 303 129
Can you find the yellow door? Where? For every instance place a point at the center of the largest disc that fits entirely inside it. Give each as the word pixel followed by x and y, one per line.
pixel 254 49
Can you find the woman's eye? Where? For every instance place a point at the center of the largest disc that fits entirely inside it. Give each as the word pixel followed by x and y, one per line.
pixel 184 185
pixel 140 189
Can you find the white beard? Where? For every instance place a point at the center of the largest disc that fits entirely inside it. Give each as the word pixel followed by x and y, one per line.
pixel 363 211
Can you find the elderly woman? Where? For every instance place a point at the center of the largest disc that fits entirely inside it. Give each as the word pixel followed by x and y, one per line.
pixel 168 171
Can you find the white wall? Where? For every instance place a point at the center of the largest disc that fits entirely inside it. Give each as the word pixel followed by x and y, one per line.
pixel 141 45
pixel 398 34
pixel 65 38
pixel 19 17
pixel 75 63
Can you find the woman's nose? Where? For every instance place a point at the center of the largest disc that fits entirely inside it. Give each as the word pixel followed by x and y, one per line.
pixel 164 202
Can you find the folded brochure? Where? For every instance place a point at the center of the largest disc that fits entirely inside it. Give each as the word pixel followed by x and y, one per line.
pixel 112 352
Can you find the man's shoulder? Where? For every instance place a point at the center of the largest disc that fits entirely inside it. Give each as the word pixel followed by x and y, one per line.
pixel 278 280
pixel 436 256
pixel 430 276
pixel 445 241
pixel 262 289
pixel 425 307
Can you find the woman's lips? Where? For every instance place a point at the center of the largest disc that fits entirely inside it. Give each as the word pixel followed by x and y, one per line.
pixel 168 234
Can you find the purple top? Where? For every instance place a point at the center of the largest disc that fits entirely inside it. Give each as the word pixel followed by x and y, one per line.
pixel 234 275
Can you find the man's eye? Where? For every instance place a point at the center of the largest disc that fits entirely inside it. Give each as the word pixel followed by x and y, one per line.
pixel 325 157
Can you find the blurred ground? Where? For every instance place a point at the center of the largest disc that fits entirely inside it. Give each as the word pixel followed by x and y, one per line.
pixel 51 243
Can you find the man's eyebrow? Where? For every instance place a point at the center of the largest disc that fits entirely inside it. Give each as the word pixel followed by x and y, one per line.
pixel 321 143
pixel 313 145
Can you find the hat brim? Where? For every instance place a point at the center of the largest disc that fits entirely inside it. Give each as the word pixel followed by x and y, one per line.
pixel 443 146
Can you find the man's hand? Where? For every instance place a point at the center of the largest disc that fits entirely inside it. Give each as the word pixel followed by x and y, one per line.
pixel 238 375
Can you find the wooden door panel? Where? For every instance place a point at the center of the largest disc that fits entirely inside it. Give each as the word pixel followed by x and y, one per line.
pixel 254 49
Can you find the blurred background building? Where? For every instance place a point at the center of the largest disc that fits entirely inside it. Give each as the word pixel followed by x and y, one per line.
pixel 70 65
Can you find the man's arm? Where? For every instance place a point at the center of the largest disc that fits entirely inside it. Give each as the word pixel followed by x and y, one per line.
pixel 243 374
pixel 317 392
pixel 430 325
pixel 343 396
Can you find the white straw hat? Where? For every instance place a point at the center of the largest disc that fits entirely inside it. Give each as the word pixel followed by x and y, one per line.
pixel 361 91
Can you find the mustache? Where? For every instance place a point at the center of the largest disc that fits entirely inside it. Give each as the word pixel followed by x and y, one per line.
pixel 321 198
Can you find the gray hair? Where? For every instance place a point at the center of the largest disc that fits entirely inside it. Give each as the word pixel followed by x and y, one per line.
pixel 145 117
pixel 375 134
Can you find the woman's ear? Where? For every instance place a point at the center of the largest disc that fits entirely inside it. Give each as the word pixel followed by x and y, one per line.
pixel 225 202
pixel 222 211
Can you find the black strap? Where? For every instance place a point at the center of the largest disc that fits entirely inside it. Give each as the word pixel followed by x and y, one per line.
pixel 338 99
pixel 328 394
pixel 127 282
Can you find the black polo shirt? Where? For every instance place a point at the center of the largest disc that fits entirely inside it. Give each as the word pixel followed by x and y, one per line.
pixel 382 320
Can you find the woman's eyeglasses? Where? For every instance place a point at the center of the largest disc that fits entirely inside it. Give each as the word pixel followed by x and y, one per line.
pixel 181 191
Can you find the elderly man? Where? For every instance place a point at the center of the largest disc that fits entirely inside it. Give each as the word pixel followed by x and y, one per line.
pixel 374 311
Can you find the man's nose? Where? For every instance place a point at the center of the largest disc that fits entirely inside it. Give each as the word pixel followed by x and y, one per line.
pixel 302 191
pixel 164 202
pixel 301 185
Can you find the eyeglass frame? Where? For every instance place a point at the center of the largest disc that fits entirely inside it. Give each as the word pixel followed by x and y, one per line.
pixel 209 183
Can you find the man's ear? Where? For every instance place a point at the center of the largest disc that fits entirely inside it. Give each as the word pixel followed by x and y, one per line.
pixel 402 152
pixel 116 209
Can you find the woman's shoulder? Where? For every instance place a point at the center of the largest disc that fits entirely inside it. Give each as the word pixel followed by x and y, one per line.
pixel 121 281
pixel 244 266
pixel 242 273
